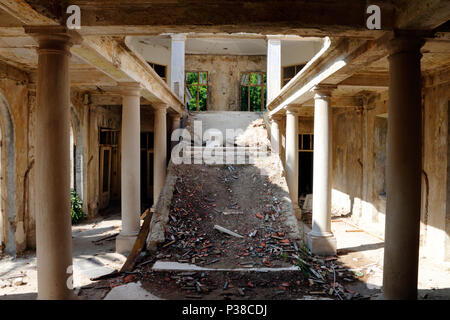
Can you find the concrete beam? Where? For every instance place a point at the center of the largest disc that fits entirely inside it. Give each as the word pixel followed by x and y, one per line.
pixel 145 17
pixel 422 14
pixel 110 56
pixel 338 60
pixel 24 12
pixel 369 80
pixel 115 59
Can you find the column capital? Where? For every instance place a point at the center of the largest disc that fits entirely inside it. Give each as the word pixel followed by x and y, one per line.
pixel 275 117
pixel 178 36
pixel 160 107
pixel 323 91
pixel 405 42
pixel 175 116
pixel 292 109
pixel 130 88
pixel 53 39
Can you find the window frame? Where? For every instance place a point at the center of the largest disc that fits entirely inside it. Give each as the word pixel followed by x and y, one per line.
pixel 186 85
pixel 262 85
pixel 152 64
pixel 301 146
pixel 297 69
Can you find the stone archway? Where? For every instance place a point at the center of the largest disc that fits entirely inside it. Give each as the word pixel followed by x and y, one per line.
pixel 7 185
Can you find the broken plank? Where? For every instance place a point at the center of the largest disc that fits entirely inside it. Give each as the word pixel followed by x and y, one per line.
pixel 139 244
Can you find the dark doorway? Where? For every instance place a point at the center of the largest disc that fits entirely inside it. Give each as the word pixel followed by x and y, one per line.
pixel 305 164
pixel 146 169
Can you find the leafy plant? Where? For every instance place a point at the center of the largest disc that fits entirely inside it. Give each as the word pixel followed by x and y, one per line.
pixel 76 207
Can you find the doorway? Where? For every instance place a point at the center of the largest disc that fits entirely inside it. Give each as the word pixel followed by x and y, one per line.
pixel 305 164
pixel 147 168
pixel 108 166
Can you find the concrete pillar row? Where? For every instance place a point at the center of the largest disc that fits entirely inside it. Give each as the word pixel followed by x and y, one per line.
pixel 320 240
pixel 160 150
pixel 275 134
pixel 292 156
pixel 130 167
pixel 52 161
pixel 404 165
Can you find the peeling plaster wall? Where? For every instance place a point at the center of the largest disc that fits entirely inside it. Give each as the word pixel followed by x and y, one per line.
pixel 347 166
pixel 224 77
pixel 435 213
pixel 15 156
pixel 371 205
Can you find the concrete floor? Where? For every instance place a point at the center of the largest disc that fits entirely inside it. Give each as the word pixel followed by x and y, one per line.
pixel 359 251
pixel 364 252
pixel 90 259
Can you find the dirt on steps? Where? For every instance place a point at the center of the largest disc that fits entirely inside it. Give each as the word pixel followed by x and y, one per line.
pixel 239 199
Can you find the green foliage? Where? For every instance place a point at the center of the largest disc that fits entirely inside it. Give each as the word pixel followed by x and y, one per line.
pixel 76 207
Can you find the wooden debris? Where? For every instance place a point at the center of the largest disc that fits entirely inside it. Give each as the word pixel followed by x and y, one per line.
pixel 139 244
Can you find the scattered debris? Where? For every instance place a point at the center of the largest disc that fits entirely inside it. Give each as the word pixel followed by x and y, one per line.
pixel 225 230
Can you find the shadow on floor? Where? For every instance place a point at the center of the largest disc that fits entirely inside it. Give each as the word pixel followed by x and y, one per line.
pixel 20 296
pixel 365 247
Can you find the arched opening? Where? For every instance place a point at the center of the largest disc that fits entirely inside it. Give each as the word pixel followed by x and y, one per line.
pixel 7 177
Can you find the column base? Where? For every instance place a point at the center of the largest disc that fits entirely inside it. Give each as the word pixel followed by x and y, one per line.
pixel 297 211
pixel 124 243
pixel 321 245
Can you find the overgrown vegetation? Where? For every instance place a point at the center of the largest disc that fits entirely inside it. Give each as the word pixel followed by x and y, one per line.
pixel 76 207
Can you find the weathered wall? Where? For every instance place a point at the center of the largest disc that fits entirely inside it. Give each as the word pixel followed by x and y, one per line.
pixel 16 162
pixel 99 117
pixel 346 161
pixel 370 213
pixel 434 220
pixel 224 77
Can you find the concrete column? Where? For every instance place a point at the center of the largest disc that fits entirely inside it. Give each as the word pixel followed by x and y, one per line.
pixel 275 135
pixel 404 164
pixel 273 67
pixel 176 123
pixel 130 167
pixel 160 150
pixel 321 240
pixel 52 161
pixel 292 156
pixel 177 65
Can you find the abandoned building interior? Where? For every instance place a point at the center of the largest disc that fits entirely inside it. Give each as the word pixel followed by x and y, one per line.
pixel 357 119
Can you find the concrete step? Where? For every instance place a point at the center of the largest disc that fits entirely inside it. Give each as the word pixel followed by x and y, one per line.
pixel 177 266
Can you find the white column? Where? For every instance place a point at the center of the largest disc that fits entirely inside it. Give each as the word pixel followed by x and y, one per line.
pixel 292 156
pixel 53 223
pixel 273 67
pixel 176 121
pixel 160 150
pixel 403 169
pixel 275 134
pixel 130 167
pixel 321 240
pixel 177 65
